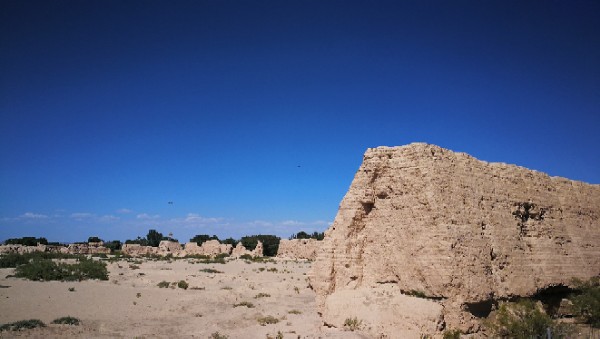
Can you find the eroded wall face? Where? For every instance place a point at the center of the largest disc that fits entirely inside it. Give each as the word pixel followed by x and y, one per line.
pixel 450 226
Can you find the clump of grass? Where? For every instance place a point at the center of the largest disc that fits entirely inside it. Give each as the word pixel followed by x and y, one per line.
pixel 228 288
pixel 67 321
pixel 244 303
pixel 263 321
pixel 261 269
pixel 197 256
pixel 352 324
pixel 183 284
pixel 452 334
pixel 138 295
pixel 134 267
pixel 296 289
pixel 418 294
pixel 218 335
pixel 71 289
pixel 262 295
pixel 272 269
pixel 211 261
pixel 248 257
pixel 163 284
pixel 294 312
pixel 196 288
pixel 22 324
pixel 210 270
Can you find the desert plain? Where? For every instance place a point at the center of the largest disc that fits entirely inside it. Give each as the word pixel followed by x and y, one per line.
pixel 132 305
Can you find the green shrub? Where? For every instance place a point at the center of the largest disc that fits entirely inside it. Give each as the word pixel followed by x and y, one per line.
pixel 212 261
pixel 197 256
pixel 210 270
pixel 163 284
pixel 418 294
pixel 524 319
pixel 263 321
pixel 183 284
pixel 45 270
pixel 26 241
pixel 67 321
pixel 262 295
pixel 586 303
pixel 294 312
pixel 218 335
pixel 352 324
pixel 244 303
pixel 22 324
pixel 452 334
pixel 13 260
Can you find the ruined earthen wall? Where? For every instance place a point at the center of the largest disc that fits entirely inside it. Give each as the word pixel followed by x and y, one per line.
pixel 423 218
pixel 298 249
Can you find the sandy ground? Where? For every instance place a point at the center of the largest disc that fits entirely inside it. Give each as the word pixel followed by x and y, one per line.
pixel 131 305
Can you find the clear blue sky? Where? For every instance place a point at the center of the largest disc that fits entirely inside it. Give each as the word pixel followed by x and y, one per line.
pixel 111 109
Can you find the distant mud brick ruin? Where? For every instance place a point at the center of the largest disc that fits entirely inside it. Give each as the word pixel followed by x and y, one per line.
pixel 75 248
pixel 210 248
pixel 428 239
pixel 298 249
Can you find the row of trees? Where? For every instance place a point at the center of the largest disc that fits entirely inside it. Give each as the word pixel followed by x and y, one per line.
pixel 304 235
pixel 153 238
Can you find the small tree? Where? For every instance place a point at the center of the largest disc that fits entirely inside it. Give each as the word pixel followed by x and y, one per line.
pixel 230 241
pixel 139 240
pixel 94 239
pixel 26 241
pixel 114 245
pixel 201 238
pixel 304 235
pixel 154 238
pixel 270 243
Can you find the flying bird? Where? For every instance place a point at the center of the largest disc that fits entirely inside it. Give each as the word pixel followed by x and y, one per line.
pixel 170 203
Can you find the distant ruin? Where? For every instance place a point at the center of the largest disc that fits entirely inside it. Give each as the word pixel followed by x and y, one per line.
pixel 298 249
pixel 75 248
pixel 209 248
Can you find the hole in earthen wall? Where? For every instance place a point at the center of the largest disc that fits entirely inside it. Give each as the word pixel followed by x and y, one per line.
pixel 551 297
pixel 480 309
pixel 368 207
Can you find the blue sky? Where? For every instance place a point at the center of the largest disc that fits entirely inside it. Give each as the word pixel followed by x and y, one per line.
pixel 111 109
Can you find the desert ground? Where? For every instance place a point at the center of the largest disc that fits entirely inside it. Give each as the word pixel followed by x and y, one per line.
pixel 131 305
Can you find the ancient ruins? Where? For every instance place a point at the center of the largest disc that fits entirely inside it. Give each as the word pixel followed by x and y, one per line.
pixel 427 239
pixel 208 248
pixel 298 249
